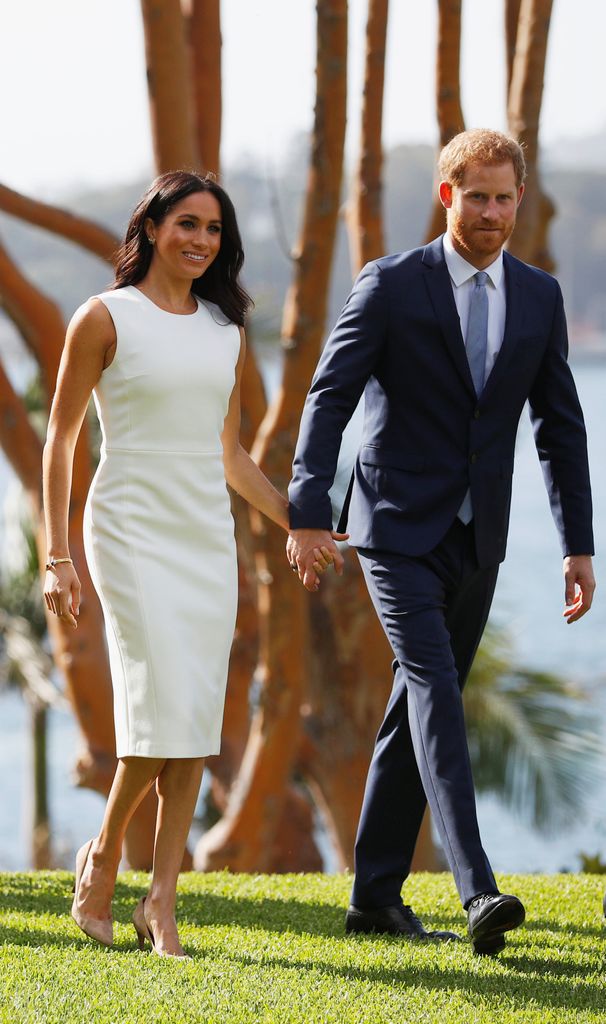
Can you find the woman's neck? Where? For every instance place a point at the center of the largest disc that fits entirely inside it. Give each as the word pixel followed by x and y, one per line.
pixel 172 294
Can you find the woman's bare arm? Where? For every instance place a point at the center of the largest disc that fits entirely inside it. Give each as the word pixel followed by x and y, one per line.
pixel 89 347
pixel 241 472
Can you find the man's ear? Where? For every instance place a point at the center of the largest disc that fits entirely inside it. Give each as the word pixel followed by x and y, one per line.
pixel 445 194
pixel 521 191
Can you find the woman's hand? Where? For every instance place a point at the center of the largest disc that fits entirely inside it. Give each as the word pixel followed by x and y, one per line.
pixel 310 552
pixel 62 593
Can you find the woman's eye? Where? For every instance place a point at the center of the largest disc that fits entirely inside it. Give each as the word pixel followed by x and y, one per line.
pixel 215 228
pixel 187 223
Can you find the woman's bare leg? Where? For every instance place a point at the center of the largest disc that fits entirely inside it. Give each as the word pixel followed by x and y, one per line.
pixel 133 779
pixel 177 785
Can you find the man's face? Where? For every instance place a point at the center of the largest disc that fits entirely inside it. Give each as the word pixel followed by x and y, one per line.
pixel 481 211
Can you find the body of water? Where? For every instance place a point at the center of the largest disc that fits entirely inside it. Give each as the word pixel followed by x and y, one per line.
pixel 528 604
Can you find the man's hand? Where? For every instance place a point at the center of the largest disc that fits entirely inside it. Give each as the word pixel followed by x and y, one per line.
pixel 310 552
pixel 580 585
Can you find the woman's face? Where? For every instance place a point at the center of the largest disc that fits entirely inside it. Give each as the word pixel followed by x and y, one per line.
pixel 189 238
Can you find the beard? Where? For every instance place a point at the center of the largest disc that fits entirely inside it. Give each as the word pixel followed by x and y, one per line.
pixel 481 239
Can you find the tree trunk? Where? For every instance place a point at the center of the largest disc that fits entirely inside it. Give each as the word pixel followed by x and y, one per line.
pixel 83 232
pixel 80 654
pixel 356 690
pixel 529 240
pixel 349 683
pixel 204 22
pixel 168 81
pixel 41 849
pixel 512 18
pixel 294 848
pixel 448 93
pixel 245 649
pixel 350 678
pixel 365 216
pixel 20 442
pixel 248 832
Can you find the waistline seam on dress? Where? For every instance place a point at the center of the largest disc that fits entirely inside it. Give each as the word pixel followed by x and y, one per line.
pixel 164 451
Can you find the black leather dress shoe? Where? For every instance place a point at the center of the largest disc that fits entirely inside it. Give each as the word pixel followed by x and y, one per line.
pixel 398 920
pixel 489 916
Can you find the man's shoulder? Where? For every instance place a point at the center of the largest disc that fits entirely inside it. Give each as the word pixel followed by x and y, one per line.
pixel 527 275
pixel 396 262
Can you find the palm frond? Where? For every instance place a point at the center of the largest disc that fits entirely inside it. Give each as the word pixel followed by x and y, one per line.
pixel 532 737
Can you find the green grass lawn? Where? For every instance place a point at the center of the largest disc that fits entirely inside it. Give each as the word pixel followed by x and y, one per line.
pixel 272 949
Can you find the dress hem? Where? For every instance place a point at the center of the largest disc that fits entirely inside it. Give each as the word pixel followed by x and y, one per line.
pixel 149 750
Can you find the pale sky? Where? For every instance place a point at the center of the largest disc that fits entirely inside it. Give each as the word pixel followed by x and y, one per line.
pixel 74 105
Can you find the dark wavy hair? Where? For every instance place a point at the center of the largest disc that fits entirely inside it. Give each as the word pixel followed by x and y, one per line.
pixel 219 283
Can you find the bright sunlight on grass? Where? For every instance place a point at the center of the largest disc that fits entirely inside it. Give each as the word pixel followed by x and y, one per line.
pixel 272 950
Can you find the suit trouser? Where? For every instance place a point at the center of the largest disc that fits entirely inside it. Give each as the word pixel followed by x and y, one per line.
pixel 433 609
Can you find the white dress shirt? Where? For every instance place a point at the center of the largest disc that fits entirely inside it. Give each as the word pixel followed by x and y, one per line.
pixel 461 277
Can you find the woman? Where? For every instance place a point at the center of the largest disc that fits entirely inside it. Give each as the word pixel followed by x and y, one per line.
pixel 163 351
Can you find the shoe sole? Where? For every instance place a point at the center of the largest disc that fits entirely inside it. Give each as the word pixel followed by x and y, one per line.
pixel 489 947
pixel 360 926
pixel 489 937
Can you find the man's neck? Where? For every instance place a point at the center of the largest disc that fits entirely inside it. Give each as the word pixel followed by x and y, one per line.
pixel 480 262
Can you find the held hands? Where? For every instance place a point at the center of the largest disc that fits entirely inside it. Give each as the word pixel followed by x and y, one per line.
pixel 62 593
pixel 580 585
pixel 311 552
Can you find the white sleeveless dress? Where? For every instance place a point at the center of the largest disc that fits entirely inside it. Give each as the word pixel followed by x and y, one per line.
pixel 159 534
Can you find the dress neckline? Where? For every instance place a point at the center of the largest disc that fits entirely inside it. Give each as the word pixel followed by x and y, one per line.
pixel 167 311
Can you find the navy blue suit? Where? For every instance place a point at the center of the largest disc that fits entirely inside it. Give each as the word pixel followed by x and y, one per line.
pixel 427 438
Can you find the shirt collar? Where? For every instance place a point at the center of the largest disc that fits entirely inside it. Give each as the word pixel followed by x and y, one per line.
pixel 461 271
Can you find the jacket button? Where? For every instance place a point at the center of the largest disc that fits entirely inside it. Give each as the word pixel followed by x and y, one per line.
pixel 476 414
pixel 473 457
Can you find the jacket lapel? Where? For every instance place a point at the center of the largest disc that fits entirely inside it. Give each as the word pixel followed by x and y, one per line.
pixel 439 286
pixel 513 323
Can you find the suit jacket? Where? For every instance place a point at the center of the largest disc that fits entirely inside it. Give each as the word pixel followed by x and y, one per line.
pixel 426 436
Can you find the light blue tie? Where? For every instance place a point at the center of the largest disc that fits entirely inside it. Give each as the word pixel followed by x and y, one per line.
pixel 475 344
pixel 477 331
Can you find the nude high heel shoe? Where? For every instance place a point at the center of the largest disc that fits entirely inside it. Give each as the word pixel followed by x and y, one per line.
pixel 100 930
pixel 144 932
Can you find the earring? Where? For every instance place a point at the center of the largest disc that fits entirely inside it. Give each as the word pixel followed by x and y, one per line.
pixel 151 240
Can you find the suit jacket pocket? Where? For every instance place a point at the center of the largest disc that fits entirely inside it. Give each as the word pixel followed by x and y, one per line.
pixel 373 456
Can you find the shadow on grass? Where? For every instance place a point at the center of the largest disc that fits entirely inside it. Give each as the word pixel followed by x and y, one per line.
pixel 597 931
pixel 35 894
pixel 556 993
pixel 523 977
pixel 298 916
pixel 52 896
pixel 559 987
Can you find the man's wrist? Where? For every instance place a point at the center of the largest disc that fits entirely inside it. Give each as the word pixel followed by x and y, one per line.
pixel 310 529
pixel 310 517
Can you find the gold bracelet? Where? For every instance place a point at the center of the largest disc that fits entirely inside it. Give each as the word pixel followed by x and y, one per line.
pixel 52 562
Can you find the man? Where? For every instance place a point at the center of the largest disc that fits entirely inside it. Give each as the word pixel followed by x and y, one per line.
pixel 447 342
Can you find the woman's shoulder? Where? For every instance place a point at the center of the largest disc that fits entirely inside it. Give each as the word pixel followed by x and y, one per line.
pixel 94 312
pixel 112 306
pixel 116 296
pixel 91 325
pixel 102 312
